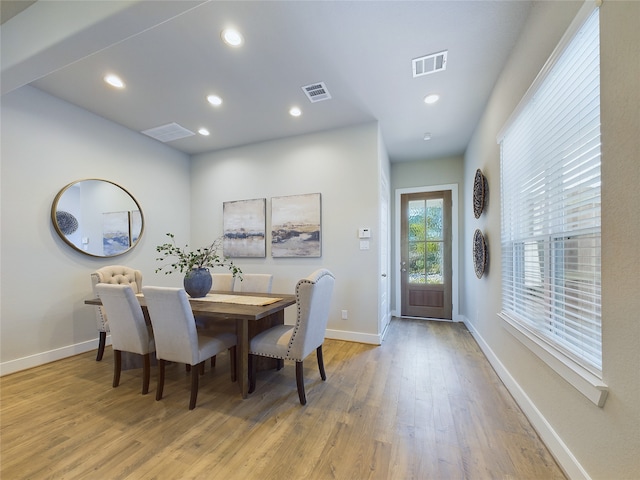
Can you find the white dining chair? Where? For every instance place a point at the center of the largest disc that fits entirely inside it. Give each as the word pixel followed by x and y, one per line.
pixel 248 282
pixel 178 340
pixel 129 331
pixel 254 282
pixel 115 275
pixel 222 282
pixel 296 342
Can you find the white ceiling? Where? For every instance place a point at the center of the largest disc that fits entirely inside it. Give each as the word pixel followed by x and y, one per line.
pixel 170 55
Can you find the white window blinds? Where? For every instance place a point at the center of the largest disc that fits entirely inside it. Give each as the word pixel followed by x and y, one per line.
pixel 550 182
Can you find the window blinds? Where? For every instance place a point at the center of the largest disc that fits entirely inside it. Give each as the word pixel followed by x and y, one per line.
pixel 550 182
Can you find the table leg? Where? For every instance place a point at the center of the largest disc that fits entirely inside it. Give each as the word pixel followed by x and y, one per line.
pixel 242 356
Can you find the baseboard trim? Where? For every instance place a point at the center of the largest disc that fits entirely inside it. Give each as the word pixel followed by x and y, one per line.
pixel 24 363
pixel 552 440
pixel 373 339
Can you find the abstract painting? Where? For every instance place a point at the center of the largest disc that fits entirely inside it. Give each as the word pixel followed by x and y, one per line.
pixel 244 224
pixel 295 226
pixel 115 232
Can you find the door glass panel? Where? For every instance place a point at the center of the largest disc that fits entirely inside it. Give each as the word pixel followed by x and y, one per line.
pixel 417 273
pixel 426 235
pixel 433 217
pixel 435 263
pixel 416 219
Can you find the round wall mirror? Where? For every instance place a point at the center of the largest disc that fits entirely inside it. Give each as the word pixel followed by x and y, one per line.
pixel 97 217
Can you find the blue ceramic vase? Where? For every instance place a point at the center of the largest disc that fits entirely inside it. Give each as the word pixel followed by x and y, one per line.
pixel 197 282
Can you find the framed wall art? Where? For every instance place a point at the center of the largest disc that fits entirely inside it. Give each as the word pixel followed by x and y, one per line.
pixel 115 232
pixel 244 224
pixel 296 229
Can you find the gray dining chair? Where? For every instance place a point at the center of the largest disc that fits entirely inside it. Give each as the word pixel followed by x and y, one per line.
pixel 296 342
pixel 129 331
pixel 178 340
pixel 254 282
pixel 115 275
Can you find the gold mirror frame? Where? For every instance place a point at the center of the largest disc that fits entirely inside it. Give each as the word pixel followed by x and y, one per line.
pixel 97 217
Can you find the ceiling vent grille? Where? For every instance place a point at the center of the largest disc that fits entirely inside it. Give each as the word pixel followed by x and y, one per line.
pixel 169 132
pixel 436 62
pixel 316 92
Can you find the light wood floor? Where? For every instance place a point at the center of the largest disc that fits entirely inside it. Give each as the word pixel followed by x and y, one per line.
pixel 424 405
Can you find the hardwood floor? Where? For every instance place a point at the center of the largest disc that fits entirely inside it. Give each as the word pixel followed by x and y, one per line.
pixel 424 405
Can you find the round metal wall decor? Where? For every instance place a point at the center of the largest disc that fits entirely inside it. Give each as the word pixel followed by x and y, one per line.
pixel 479 192
pixel 479 253
pixel 66 222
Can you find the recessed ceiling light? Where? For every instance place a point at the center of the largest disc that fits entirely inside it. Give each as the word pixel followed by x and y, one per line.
pixel 427 136
pixel 214 100
pixel 232 37
pixel 203 131
pixel 295 112
pixel 114 81
pixel 431 98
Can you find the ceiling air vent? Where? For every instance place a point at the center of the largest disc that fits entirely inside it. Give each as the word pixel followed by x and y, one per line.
pixel 433 63
pixel 316 92
pixel 168 132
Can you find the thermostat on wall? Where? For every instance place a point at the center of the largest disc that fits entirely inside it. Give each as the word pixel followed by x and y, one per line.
pixel 364 233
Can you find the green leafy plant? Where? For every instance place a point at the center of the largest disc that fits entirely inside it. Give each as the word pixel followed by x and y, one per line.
pixel 183 260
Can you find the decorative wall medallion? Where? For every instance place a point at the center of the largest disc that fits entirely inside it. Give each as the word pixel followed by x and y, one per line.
pixel 66 222
pixel 479 192
pixel 479 253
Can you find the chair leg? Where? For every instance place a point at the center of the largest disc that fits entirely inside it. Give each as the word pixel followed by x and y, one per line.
pixel 146 373
pixel 194 385
pixel 252 373
pixel 233 363
pixel 321 362
pixel 101 343
pixel 201 368
pixel 300 383
pixel 117 367
pixel 160 379
pixel 213 361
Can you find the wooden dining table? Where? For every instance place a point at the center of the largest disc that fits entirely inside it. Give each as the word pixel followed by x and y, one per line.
pixel 250 319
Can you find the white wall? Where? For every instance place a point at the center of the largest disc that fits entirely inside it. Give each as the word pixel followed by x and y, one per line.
pixel 600 443
pixel 46 144
pixel 342 165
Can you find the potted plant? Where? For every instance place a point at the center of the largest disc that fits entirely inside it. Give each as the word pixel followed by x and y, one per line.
pixel 195 264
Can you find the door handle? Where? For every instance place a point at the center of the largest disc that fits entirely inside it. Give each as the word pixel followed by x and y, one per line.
pixel 384 274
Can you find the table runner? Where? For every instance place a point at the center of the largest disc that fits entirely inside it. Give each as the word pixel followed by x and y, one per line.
pixel 237 299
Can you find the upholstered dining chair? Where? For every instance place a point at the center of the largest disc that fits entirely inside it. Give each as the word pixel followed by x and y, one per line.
pixel 222 282
pixel 129 331
pixel 115 275
pixel 296 342
pixel 254 282
pixel 249 282
pixel 178 340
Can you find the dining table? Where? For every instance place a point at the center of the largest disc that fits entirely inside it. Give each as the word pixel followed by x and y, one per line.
pixel 252 313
